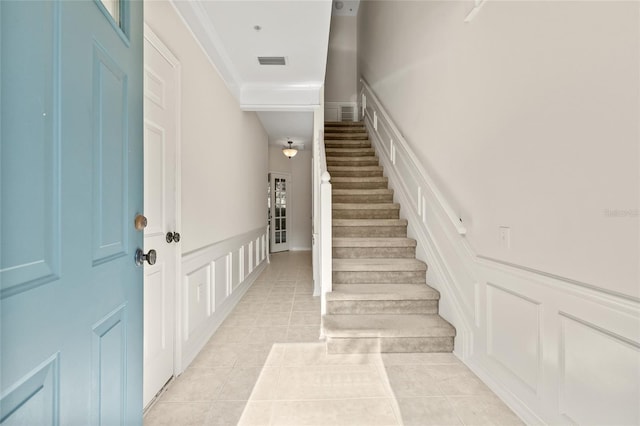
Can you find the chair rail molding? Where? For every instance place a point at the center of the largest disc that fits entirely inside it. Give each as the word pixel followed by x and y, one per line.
pixel 554 349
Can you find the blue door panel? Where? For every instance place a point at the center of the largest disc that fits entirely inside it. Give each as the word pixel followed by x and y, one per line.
pixel 30 147
pixel 71 170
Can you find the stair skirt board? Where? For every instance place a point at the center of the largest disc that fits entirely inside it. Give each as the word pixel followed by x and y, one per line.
pixel 380 300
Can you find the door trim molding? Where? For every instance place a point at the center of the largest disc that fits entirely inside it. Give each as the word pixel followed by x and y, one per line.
pixel 162 48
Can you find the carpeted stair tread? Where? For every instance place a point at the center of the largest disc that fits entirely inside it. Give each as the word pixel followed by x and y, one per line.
pixel 383 292
pixel 378 265
pixel 387 325
pixel 374 242
pixel 365 206
pixel 370 222
pixel 343 160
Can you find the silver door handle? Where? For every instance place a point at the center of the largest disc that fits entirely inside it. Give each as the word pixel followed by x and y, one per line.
pixel 149 257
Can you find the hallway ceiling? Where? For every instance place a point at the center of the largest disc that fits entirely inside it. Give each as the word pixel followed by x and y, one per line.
pixel 235 33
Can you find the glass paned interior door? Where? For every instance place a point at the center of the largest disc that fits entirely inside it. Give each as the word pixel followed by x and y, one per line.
pixel 279 241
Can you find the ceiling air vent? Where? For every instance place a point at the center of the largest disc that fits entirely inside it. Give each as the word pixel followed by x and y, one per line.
pixel 271 60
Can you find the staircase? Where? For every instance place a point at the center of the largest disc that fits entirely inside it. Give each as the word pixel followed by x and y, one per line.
pixel 380 300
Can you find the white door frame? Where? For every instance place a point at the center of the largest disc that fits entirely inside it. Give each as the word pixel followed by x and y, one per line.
pixel 153 39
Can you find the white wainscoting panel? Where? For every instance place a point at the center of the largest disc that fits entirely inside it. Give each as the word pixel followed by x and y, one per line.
pixel 198 298
pixel 555 350
pixel 596 385
pixel 513 333
pixel 214 280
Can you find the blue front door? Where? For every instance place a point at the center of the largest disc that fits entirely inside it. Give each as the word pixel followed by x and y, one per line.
pixel 71 185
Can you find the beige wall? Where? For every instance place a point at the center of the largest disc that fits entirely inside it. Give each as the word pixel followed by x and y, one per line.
pixel 341 78
pixel 526 117
pixel 299 167
pixel 224 150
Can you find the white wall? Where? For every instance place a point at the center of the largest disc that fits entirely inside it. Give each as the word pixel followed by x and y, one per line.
pixel 527 117
pixel 299 167
pixel 341 82
pixel 224 150
pixel 223 188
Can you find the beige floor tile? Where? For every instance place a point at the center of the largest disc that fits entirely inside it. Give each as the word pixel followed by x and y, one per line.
pixel 304 354
pixel 257 355
pixel 225 413
pixel 277 307
pixel 412 381
pixel 266 385
pixel 419 358
pixel 177 413
pixel 303 334
pixel 347 412
pixel 228 334
pixel 300 318
pixel 483 410
pixel 457 379
pixel 241 319
pixel 276 319
pixel 306 304
pixel 267 335
pixel 240 383
pixel 256 413
pixel 330 382
pixel 436 411
pixel 222 355
pixel 197 385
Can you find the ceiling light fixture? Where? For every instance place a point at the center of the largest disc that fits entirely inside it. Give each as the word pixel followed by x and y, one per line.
pixel 339 5
pixel 289 151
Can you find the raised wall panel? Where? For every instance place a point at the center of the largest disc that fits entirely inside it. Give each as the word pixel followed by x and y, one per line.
pixel 247 266
pixel 35 399
pixel 264 247
pixel 236 276
pixel 221 280
pixel 154 87
pixel 257 251
pixel 110 158
pixel 156 291
pixel 197 298
pixel 596 387
pixel 154 178
pixel 109 367
pixel 513 333
pixel 241 263
pixel 30 153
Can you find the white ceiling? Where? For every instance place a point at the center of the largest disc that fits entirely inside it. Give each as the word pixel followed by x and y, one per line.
pixel 295 29
pixel 283 126
pixel 284 96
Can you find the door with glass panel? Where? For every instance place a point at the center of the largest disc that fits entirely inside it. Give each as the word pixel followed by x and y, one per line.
pixel 280 202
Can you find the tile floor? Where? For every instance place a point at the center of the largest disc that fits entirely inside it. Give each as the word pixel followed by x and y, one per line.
pixel 265 366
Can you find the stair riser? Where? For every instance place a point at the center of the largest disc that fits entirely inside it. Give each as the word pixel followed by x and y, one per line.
pixel 346 136
pixel 361 152
pixel 355 173
pixel 334 129
pixel 374 252
pixel 359 185
pixel 378 277
pixel 382 307
pixel 352 163
pixel 366 214
pixel 389 345
pixel 382 198
pixel 347 144
pixel 369 231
